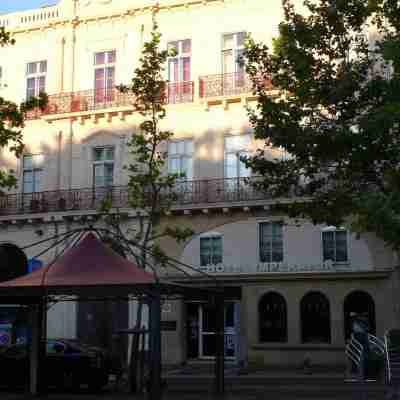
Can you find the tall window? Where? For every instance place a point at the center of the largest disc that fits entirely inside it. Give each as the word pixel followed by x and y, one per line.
pixel 315 318
pixel 232 51
pixel 179 65
pixel 103 166
pixel 334 244
pixel 235 148
pixel 180 158
pixel 104 76
pixel 210 250
pixel 271 242
pixel 35 78
pixel 272 314
pixel 32 173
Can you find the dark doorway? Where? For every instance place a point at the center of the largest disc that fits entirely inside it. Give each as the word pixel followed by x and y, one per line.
pixel 361 303
pixel 315 318
pixel 272 316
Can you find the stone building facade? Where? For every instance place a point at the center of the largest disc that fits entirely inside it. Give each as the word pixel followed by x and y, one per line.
pixel 291 285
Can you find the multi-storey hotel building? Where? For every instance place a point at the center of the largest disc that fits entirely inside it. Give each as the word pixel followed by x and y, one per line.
pixel 292 286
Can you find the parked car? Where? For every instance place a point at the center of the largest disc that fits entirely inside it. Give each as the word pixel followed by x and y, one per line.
pixel 68 364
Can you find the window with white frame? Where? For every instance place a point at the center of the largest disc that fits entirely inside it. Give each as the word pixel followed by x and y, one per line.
pixel 180 158
pixel 271 242
pixel 32 172
pixel 235 148
pixel 104 75
pixel 334 245
pixel 103 166
pixel 232 51
pixel 210 250
pixel 35 78
pixel 179 64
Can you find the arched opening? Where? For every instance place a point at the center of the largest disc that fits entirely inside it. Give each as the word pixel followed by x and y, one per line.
pixel 315 318
pixel 13 262
pixel 272 317
pixel 360 303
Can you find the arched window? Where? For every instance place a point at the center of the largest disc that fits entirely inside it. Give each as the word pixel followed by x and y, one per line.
pixel 360 303
pixel 315 318
pixel 272 314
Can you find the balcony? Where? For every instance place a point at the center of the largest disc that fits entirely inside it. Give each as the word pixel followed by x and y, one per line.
pixel 225 85
pixel 95 100
pixel 197 194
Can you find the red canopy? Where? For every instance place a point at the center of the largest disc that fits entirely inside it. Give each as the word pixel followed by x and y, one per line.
pixel 89 264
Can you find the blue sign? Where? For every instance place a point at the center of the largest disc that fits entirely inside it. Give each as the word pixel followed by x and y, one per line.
pixel 34 264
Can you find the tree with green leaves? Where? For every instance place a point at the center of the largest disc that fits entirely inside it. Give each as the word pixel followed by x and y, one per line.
pixel 151 189
pixel 336 65
pixel 12 121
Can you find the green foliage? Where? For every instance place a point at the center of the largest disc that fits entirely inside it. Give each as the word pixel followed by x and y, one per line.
pixel 12 121
pixel 151 189
pixel 338 115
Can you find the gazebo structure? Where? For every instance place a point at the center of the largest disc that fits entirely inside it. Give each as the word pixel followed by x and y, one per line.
pixel 89 269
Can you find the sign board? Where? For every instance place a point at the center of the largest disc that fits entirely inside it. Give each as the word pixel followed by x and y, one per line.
pixel 5 334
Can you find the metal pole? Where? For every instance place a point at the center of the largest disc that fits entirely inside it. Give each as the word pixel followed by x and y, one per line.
pixel 155 392
pixel 220 345
pixel 36 349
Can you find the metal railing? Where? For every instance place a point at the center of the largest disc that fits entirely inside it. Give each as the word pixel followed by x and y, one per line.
pixel 99 99
pixel 355 352
pixel 224 84
pixel 184 194
pixel 392 352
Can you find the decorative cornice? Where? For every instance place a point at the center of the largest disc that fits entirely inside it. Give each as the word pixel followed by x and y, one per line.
pixel 129 12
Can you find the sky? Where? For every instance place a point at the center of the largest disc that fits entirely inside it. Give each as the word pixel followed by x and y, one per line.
pixel 7 6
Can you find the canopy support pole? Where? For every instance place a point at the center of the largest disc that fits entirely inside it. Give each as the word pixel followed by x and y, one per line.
pixel 36 348
pixel 155 389
pixel 220 345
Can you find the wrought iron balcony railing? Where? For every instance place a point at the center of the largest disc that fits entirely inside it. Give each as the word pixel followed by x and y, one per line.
pixel 92 100
pixel 225 85
pixel 232 84
pixel 186 194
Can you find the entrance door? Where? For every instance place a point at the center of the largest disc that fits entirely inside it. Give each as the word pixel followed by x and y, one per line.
pixel 201 332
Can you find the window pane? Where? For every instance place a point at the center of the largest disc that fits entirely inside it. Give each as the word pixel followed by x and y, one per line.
pixel 99 175
pixel 186 46
pixel 186 69
pixel 98 154
pixel 37 180
pixel 28 182
pixel 228 62
pixel 111 56
pixel 174 165
pixel 43 66
pixel 341 246
pixel 328 246
pixel 99 78
pixel 109 153
pixel 108 174
pixel 173 73
pixel 189 146
pixel 172 149
pixel 42 84
pixel 31 68
pixel 228 41
pixel 188 168
pixel 28 162
pixel 30 88
pixel 231 161
pixel 99 58
pixel 181 147
pixel 240 38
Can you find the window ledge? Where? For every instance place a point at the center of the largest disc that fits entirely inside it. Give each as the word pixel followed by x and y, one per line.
pixel 300 347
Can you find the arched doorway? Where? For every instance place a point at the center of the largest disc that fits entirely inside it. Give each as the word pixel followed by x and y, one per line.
pixel 315 318
pixel 358 302
pixel 272 318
